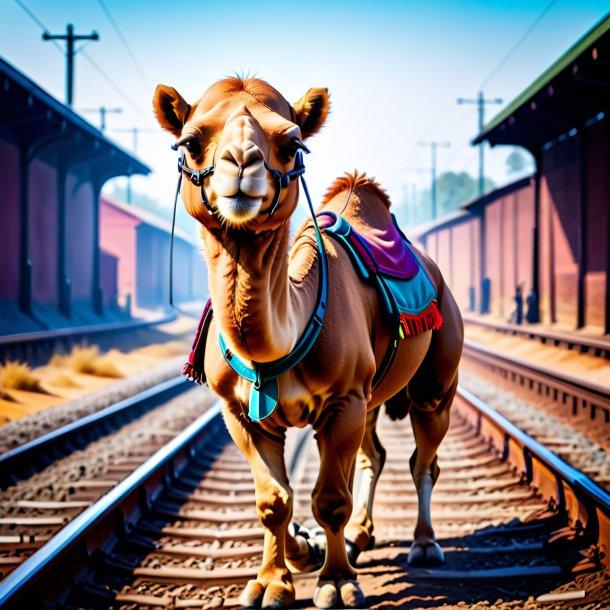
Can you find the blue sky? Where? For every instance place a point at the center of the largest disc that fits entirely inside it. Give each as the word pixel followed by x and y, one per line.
pixel 394 70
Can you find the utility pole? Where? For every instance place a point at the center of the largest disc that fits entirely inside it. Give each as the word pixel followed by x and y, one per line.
pixel 103 112
pixel 412 197
pixel 134 147
pixel 433 146
pixel 70 37
pixel 481 101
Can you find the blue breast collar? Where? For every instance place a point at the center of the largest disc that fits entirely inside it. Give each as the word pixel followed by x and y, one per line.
pixel 264 394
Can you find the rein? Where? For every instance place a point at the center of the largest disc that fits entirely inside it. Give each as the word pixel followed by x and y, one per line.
pixel 264 393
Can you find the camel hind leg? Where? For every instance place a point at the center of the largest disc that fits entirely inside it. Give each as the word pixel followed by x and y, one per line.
pixel 369 464
pixel 431 392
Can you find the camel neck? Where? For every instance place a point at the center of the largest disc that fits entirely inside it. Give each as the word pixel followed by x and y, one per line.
pixel 258 313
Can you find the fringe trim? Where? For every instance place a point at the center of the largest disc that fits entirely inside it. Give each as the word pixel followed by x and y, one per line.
pixel 193 374
pixel 415 324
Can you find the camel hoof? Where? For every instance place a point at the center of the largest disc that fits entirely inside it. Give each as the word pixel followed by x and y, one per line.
pixel 279 594
pixel 351 594
pixel 425 555
pixel 252 595
pixel 326 594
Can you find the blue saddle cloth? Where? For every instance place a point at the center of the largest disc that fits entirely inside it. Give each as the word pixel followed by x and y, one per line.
pixel 407 292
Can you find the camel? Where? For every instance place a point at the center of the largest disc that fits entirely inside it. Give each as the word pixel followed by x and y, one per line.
pixel 242 146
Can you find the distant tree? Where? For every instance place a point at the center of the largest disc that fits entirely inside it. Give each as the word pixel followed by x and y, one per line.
pixel 452 191
pixel 455 189
pixel 516 162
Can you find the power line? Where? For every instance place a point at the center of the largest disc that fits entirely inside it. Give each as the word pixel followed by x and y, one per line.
pixel 109 80
pixel 39 23
pixel 103 111
pixel 433 146
pixel 519 42
pixel 123 40
pixel 89 59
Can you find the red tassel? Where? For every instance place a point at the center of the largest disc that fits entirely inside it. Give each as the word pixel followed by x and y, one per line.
pixel 430 319
pixel 188 370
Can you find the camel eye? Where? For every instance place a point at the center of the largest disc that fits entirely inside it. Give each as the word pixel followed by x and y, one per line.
pixel 289 149
pixel 193 146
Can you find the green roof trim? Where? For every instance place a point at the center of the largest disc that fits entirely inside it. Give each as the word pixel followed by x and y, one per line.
pixel 573 53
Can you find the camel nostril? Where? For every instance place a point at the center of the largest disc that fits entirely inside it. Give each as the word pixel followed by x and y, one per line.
pixel 227 155
pixel 242 155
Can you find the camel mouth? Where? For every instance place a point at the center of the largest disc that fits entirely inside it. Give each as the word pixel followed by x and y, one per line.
pixel 239 208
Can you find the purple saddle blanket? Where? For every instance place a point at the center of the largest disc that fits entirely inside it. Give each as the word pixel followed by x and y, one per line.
pixel 387 246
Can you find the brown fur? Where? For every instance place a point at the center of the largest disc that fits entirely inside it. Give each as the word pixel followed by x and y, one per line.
pixel 354 182
pixel 263 296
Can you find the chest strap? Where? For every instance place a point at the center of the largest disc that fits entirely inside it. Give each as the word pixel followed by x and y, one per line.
pixel 264 393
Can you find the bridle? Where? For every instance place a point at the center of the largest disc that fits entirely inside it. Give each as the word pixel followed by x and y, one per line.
pixel 264 392
pixel 282 180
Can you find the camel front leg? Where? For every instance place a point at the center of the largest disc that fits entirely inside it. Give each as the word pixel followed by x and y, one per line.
pixel 369 464
pixel 273 587
pixel 338 440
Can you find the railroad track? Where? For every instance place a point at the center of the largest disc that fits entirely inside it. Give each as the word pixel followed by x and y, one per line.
pixel 31 457
pixel 582 344
pixel 37 347
pixel 570 391
pixel 181 531
pixel 47 482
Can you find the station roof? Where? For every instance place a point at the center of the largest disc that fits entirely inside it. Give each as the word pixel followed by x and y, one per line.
pixel 572 91
pixel 150 218
pixel 49 128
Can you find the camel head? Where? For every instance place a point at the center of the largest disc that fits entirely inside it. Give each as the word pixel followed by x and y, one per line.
pixel 244 129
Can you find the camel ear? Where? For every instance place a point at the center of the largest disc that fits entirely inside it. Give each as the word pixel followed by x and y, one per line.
pixel 312 110
pixel 171 109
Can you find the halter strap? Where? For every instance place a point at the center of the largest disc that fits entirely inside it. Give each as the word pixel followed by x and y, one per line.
pixel 282 180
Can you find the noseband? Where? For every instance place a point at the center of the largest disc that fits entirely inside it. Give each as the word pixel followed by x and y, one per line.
pixel 198 176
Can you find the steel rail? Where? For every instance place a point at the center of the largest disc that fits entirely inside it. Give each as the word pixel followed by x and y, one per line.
pixel 73 546
pixel 77 331
pixel 596 396
pixel 599 347
pixel 34 345
pixel 571 490
pixel 33 456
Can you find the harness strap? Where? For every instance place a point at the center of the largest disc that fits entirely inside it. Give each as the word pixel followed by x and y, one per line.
pixel 263 375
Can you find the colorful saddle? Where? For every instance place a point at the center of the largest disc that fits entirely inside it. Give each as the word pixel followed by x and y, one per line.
pixel 387 259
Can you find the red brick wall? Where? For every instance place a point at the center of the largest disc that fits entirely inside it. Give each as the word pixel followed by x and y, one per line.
pixel 118 237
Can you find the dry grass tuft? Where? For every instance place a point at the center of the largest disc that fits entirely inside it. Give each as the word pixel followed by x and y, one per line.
pixel 16 375
pixel 88 360
pixel 58 360
pixel 64 381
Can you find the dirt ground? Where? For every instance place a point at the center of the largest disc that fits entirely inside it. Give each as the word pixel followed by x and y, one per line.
pixel 60 380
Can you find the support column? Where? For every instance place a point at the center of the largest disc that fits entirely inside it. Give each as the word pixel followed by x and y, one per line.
pixel 25 264
pixel 582 229
pixel 485 284
pixel 533 299
pixel 607 316
pixel 97 295
pixel 64 285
